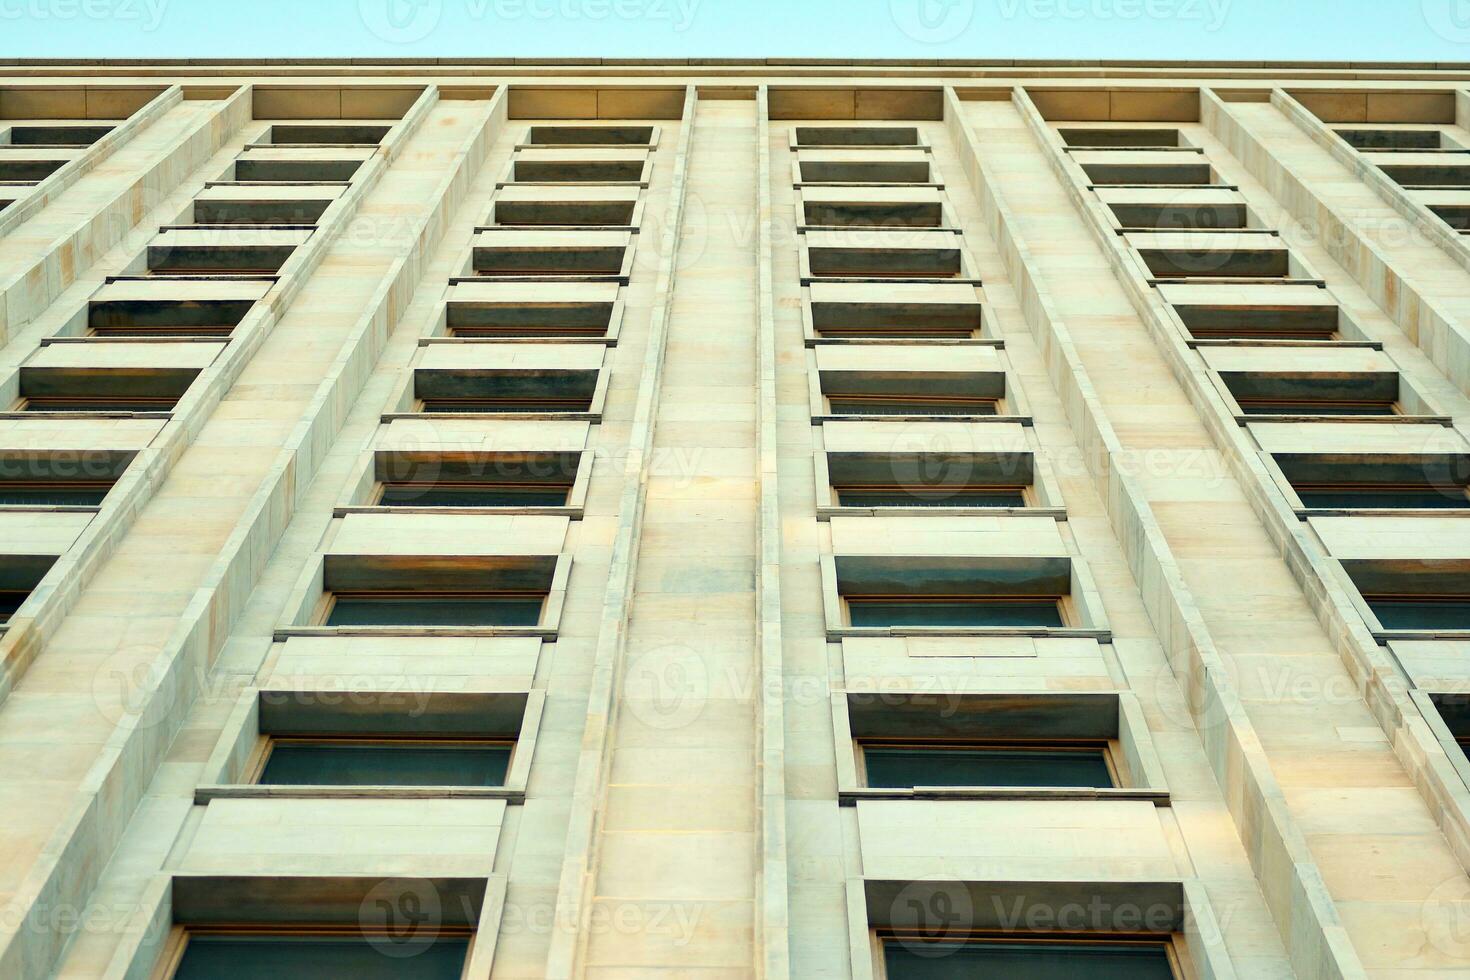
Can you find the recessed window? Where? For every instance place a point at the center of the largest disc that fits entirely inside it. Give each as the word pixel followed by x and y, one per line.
pixel 277 954
pixel 1019 957
pixel 1396 139
pixel 895 310
pixel 64 135
pixel 1421 594
pixel 875 255
pixel 201 257
pixel 53 390
pixel 932 479
pixel 620 168
pixel 898 403
pixel 332 134
pixel 167 317
pixel 1133 139
pixel 362 761
pixel 907 764
pixel 260 168
pixel 1252 257
pixel 544 318
pixel 410 608
pixel 857 135
pixel 955 611
pixel 590 135
pixel 476 480
pixel 1449 173
pixel 1314 394
pixel 1263 322
pixel 903 168
pixel 550 253
pixel 19 576
pixel 1176 168
pixel 1181 216
pixel 503 392
pixel 31 168
pixel 267 206
pixel 1407 482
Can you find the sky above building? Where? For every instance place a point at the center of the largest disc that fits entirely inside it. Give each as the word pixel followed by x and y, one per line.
pixel 1401 30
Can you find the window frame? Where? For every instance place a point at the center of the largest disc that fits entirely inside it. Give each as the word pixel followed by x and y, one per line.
pixel 268 742
pixel 1170 944
pixel 176 945
pixel 1106 747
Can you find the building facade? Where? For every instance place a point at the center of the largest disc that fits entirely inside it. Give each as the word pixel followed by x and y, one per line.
pixel 734 520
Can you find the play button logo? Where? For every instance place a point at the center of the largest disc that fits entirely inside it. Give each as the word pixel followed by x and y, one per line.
pixel 400 21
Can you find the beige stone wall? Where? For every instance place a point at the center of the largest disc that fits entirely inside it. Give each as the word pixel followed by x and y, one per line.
pixel 773 288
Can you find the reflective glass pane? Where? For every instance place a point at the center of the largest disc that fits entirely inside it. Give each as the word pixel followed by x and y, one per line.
pixel 905 767
pixel 379 764
pixel 956 613
pixel 1026 961
pixel 315 958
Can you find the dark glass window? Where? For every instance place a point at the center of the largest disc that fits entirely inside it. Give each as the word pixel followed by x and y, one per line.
pixel 39 493
pixel 931 497
pixel 82 403
pixel 1430 613
pixel 9 603
pixel 506 405
pixel 372 762
pixel 1368 496
pixel 242 957
pixel 1251 406
pixel 401 609
pixel 956 612
pixel 473 495
pixel 1021 960
pixel 907 766
pixel 909 405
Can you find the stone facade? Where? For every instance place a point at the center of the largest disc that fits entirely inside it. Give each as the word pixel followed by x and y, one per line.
pixel 695 434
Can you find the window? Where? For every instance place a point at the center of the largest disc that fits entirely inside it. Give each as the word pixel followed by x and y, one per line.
pixel 857 135
pixel 1180 216
pixel 1422 594
pixel 594 207
pixel 167 318
pixel 878 495
pixel 1264 322
pixel 1034 957
pixel 1134 139
pixel 542 252
pixel 312 761
pixel 29 168
pixel 1406 482
pixel 896 403
pixel 333 134
pixel 616 166
pixel 257 168
pixel 409 608
pixel 907 764
pixel 53 493
pixel 1396 139
pixel 48 390
pixel 248 206
pixel 306 953
pixel 894 310
pixel 960 612
pixel 67 135
pixel 590 135
pixel 502 392
pixel 1170 168
pixel 893 168
pixel 874 211
pixel 489 480
pixel 1314 394
pixel 1446 174
pixel 875 255
pixel 199 256
pixel 19 576
pixel 546 318
pixel 1250 257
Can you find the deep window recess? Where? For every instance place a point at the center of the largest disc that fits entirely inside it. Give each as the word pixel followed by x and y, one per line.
pixel 265 170
pixel 306 954
pixel 859 495
pixel 434 609
pixel 45 390
pixel 590 135
pixel 1260 322
pixel 502 392
pixel 1395 139
pixel 1019 958
pixel 506 480
pixel 57 135
pixel 19 576
pixel 1403 482
pixel 904 765
pixel 1422 594
pixel 857 135
pixel 1325 394
pixel 1133 139
pixel 315 761
pixel 908 404
pixel 955 611
pixel 330 133
pixel 167 318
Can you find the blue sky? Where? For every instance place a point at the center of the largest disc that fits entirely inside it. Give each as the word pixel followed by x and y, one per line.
pixel 1418 30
